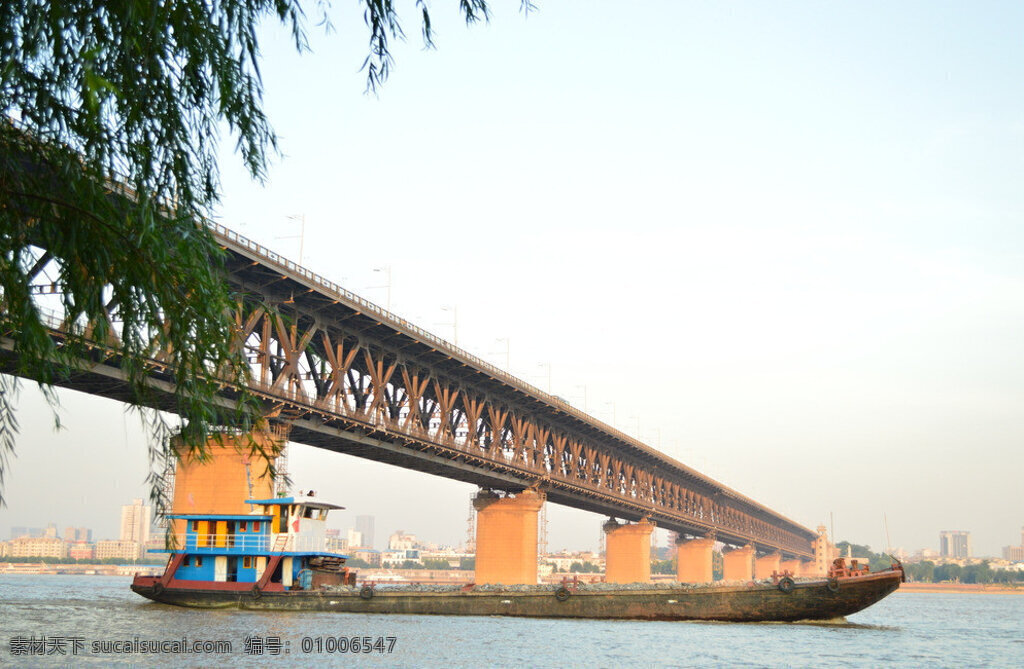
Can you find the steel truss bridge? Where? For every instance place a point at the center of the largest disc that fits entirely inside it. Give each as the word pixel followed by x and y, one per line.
pixel 350 377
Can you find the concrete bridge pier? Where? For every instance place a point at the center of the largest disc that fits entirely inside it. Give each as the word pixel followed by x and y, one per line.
pixel 738 564
pixel 695 560
pixel 221 483
pixel 628 552
pixel 810 569
pixel 792 566
pixel 767 565
pixel 231 474
pixel 506 537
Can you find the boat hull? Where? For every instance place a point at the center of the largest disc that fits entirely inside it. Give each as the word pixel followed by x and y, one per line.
pixel 807 600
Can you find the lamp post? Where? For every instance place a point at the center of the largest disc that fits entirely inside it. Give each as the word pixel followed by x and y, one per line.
pixel 637 432
pixel 301 218
pixel 386 271
pixel 584 387
pixel 455 322
pixel 613 412
pixel 548 365
pixel 507 350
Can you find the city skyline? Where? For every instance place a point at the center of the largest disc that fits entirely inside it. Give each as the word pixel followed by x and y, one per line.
pixel 955 544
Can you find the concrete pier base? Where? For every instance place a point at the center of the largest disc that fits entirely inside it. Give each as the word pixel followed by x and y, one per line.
pixel 739 564
pixel 506 537
pixel 628 552
pixel 810 569
pixel 792 566
pixel 695 558
pixel 765 566
pixel 223 482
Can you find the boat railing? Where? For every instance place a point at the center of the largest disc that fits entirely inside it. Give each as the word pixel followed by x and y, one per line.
pixel 248 543
pixel 211 543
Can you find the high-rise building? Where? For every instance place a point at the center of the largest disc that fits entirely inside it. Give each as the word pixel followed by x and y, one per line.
pixel 1015 553
pixel 135 522
pixel 400 541
pixel 19 531
pixel 364 525
pixel 955 544
pixel 77 534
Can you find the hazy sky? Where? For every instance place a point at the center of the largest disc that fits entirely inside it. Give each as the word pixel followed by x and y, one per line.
pixel 779 241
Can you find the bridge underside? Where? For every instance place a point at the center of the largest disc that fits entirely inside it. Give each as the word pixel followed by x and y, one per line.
pixel 377 443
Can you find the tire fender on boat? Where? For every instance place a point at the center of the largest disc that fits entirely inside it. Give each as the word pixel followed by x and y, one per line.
pixel 832 584
pixel 256 592
pixel 562 593
pixel 366 592
pixel 158 588
pixel 786 584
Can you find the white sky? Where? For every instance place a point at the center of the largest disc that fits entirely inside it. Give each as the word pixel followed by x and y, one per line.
pixel 781 243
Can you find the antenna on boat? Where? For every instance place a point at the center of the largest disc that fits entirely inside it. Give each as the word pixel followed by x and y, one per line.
pixel 888 541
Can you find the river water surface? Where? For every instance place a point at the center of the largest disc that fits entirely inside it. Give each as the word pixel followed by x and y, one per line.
pixel 98 621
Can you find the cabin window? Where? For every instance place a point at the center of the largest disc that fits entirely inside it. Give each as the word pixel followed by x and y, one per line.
pixel 255 526
pixel 199 560
pixel 247 563
pixel 187 561
pixel 195 525
pixel 241 526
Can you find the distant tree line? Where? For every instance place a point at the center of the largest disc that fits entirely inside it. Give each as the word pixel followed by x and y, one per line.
pixel 929 572
pixel 357 563
pixel 663 566
pixel 57 560
pixel 577 568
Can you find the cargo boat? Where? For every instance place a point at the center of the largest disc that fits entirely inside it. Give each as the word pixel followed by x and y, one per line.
pixel 278 559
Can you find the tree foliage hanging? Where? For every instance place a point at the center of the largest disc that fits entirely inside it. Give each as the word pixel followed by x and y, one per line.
pixel 111 113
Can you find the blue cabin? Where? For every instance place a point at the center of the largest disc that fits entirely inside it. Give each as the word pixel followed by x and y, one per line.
pixel 281 544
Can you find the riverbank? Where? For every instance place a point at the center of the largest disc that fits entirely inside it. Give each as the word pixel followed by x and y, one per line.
pixel 971 588
pixel 99 569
